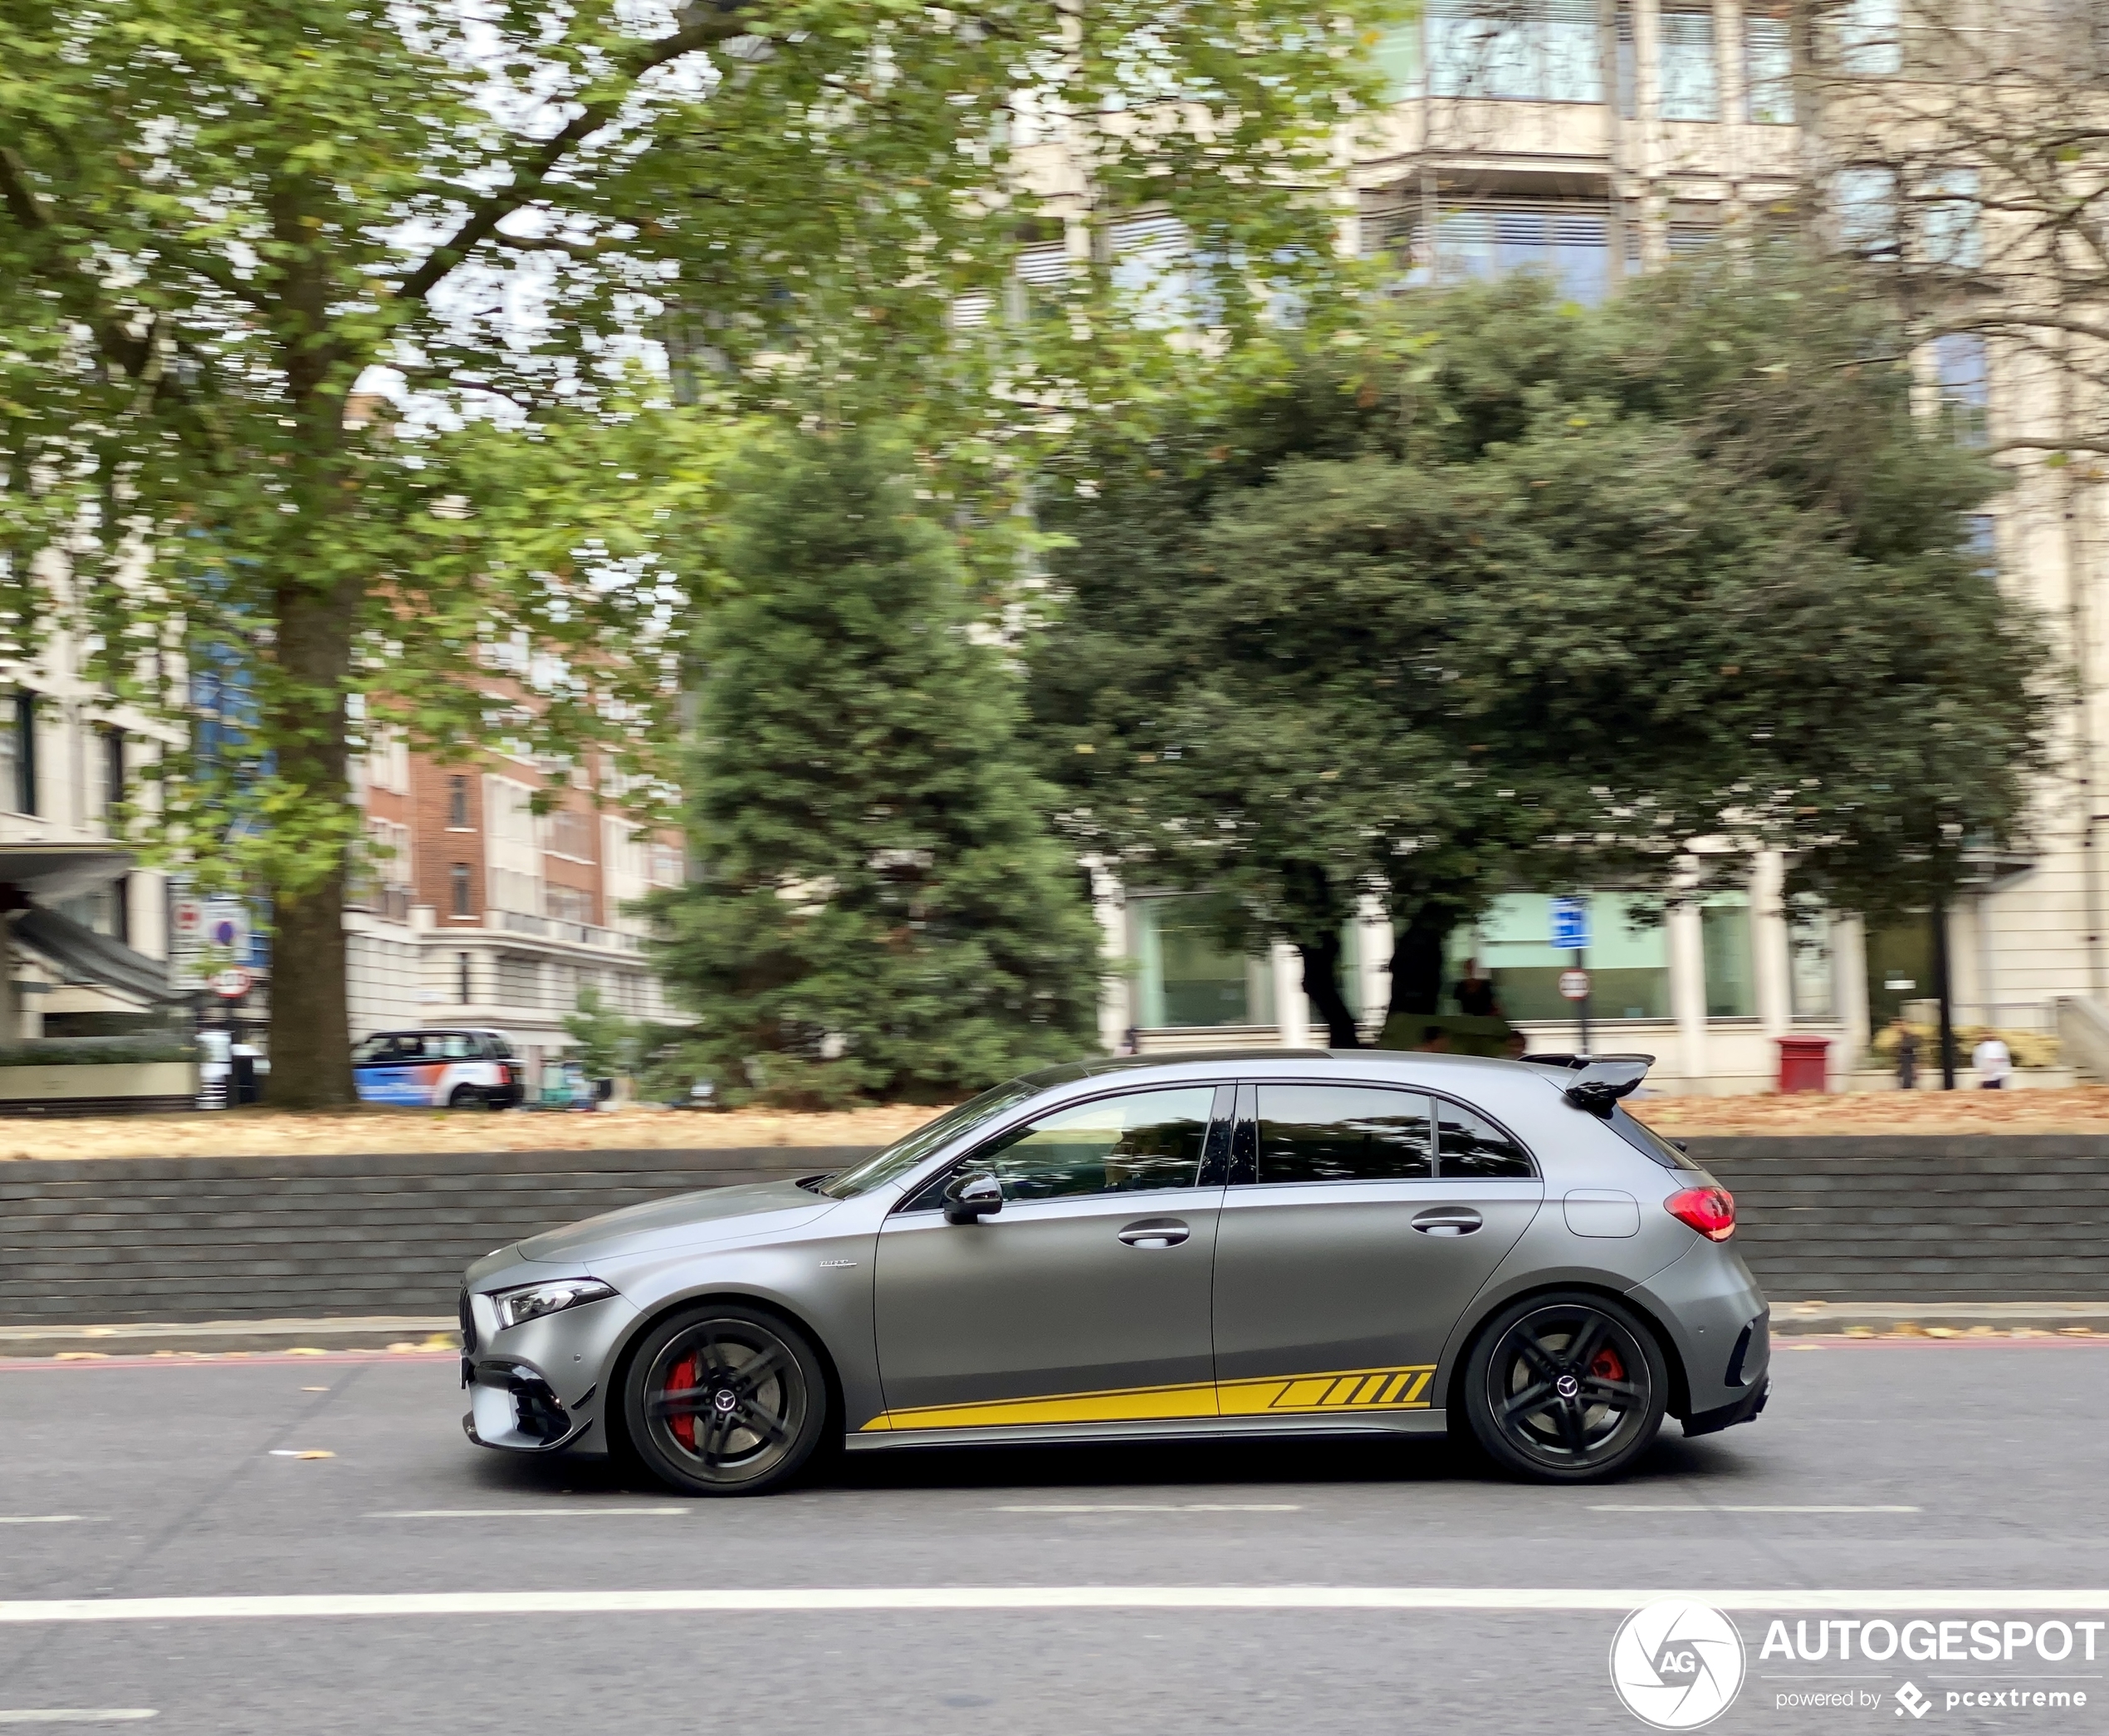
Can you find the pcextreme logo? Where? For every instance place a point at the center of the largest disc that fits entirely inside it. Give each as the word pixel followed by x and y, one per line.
pixel 1676 1665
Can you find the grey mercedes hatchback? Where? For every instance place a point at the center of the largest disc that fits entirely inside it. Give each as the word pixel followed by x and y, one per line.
pixel 1263 1243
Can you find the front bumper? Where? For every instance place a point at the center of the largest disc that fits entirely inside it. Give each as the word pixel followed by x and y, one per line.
pixel 542 1386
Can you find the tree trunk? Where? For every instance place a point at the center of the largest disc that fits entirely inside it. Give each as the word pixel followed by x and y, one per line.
pixel 311 1023
pixel 1417 957
pixel 311 1027
pixel 1321 985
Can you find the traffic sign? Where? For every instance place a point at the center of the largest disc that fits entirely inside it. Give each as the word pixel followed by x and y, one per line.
pixel 1574 985
pixel 232 984
pixel 1570 921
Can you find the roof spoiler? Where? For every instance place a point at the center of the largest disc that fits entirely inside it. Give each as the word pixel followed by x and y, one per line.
pixel 1600 1080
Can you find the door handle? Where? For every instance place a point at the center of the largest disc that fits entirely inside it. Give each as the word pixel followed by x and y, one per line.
pixel 1448 1220
pixel 1155 1233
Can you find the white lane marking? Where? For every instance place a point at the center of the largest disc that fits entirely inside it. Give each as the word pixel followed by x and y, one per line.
pixel 766 1600
pixel 81 1715
pixel 51 1519
pixel 1741 1507
pixel 552 1511
pixel 1153 1507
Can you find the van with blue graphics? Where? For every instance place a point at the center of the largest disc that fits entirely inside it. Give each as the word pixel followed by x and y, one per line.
pixel 433 1069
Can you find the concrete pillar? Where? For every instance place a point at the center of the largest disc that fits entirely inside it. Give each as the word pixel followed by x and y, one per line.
pixel 1116 988
pixel 1688 995
pixel 1770 960
pixel 1292 1012
pixel 1647 127
pixel 1374 960
pixel 1849 985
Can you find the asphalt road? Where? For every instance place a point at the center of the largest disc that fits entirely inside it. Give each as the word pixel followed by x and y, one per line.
pixel 1944 1466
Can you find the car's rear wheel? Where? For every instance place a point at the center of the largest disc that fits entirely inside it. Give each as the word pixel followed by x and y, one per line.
pixel 467 1097
pixel 725 1400
pixel 1566 1388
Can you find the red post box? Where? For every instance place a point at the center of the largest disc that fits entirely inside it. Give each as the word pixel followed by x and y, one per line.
pixel 1803 1065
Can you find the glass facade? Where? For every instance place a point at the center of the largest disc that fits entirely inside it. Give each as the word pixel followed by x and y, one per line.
pixel 1543 51
pixel 1185 976
pixel 1573 247
pixel 1811 968
pixel 1629 961
pixel 1688 82
pixel 1725 944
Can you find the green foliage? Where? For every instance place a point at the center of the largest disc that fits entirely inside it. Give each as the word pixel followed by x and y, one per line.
pixel 128 1051
pixel 605 1042
pixel 881 911
pixel 223 228
pixel 1497 593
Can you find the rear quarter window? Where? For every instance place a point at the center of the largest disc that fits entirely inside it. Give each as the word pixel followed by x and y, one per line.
pixel 1649 1143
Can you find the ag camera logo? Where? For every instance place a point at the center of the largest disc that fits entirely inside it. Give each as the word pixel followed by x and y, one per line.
pixel 1676 1665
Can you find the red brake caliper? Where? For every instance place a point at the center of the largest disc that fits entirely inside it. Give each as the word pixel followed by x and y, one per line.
pixel 1605 1366
pixel 681 1378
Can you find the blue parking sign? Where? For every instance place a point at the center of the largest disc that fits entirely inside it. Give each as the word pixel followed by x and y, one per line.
pixel 1570 919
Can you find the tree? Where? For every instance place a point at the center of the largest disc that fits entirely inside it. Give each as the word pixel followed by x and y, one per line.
pixel 605 1042
pixel 222 228
pixel 880 911
pixel 1532 597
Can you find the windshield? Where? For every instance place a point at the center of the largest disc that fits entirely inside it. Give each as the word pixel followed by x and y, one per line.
pixel 901 1156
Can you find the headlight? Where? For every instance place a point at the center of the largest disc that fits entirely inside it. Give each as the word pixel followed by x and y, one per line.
pixel 516 1307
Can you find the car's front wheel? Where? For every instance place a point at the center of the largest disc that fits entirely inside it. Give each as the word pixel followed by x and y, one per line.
pixel 1566 1388
pixel 725 1400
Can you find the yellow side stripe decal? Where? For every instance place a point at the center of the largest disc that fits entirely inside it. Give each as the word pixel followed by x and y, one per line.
pixel 1353 1389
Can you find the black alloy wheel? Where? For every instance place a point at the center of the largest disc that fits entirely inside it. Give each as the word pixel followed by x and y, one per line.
pixel 725 1400
pixel 467 1097
pixel 1567 1388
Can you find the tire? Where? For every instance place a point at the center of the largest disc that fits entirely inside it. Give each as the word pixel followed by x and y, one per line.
pixel 467 1097
pixel 1586 1433
pixel 725 1400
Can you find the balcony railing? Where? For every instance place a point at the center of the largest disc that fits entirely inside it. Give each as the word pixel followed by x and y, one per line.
pixel 580 934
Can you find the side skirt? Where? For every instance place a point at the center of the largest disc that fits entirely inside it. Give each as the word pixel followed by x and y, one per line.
pixel 1211 1428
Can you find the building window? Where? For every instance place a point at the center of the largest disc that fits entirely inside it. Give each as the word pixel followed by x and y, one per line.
pixel 567 904
pixel 1186 976
pixel 1963 372
pixel 1767 70
pixel 460 979
pixel 458 803
pixel 18 753
pixel 459 882
pixel 1688 91
pixel 1949 232
pixel 1573 247
pixel 1543 51
pixel 111 762
pixel 1810 962
pixel 1725 944
pixel 1628 960
pixel 1865 203
pixel 1870 41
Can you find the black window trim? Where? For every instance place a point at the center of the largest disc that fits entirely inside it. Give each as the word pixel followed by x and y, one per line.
pixel 1214 1158
pixel 1245 1148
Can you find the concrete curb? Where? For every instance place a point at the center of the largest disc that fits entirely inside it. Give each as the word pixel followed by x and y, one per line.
pixel 1791 1317
pixel 371 1332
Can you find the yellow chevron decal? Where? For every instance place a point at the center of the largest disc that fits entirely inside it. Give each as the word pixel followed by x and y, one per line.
pixel 1353 1389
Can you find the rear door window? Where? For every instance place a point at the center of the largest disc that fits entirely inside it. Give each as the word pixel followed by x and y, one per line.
pixel 1343 1133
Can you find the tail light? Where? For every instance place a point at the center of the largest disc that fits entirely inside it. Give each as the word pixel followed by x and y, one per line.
pixel 1710 1211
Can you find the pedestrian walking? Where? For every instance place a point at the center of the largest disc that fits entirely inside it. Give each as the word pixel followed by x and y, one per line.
pixel 1993 1062
pixel 1476 998
pixel 1907 1057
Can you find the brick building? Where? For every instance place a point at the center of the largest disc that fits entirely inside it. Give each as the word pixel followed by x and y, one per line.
pixel 477 910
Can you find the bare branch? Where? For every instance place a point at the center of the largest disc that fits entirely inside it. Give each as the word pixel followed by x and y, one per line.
pixel 528 175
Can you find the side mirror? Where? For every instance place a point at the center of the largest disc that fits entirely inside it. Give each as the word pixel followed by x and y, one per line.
pixel 971 1197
